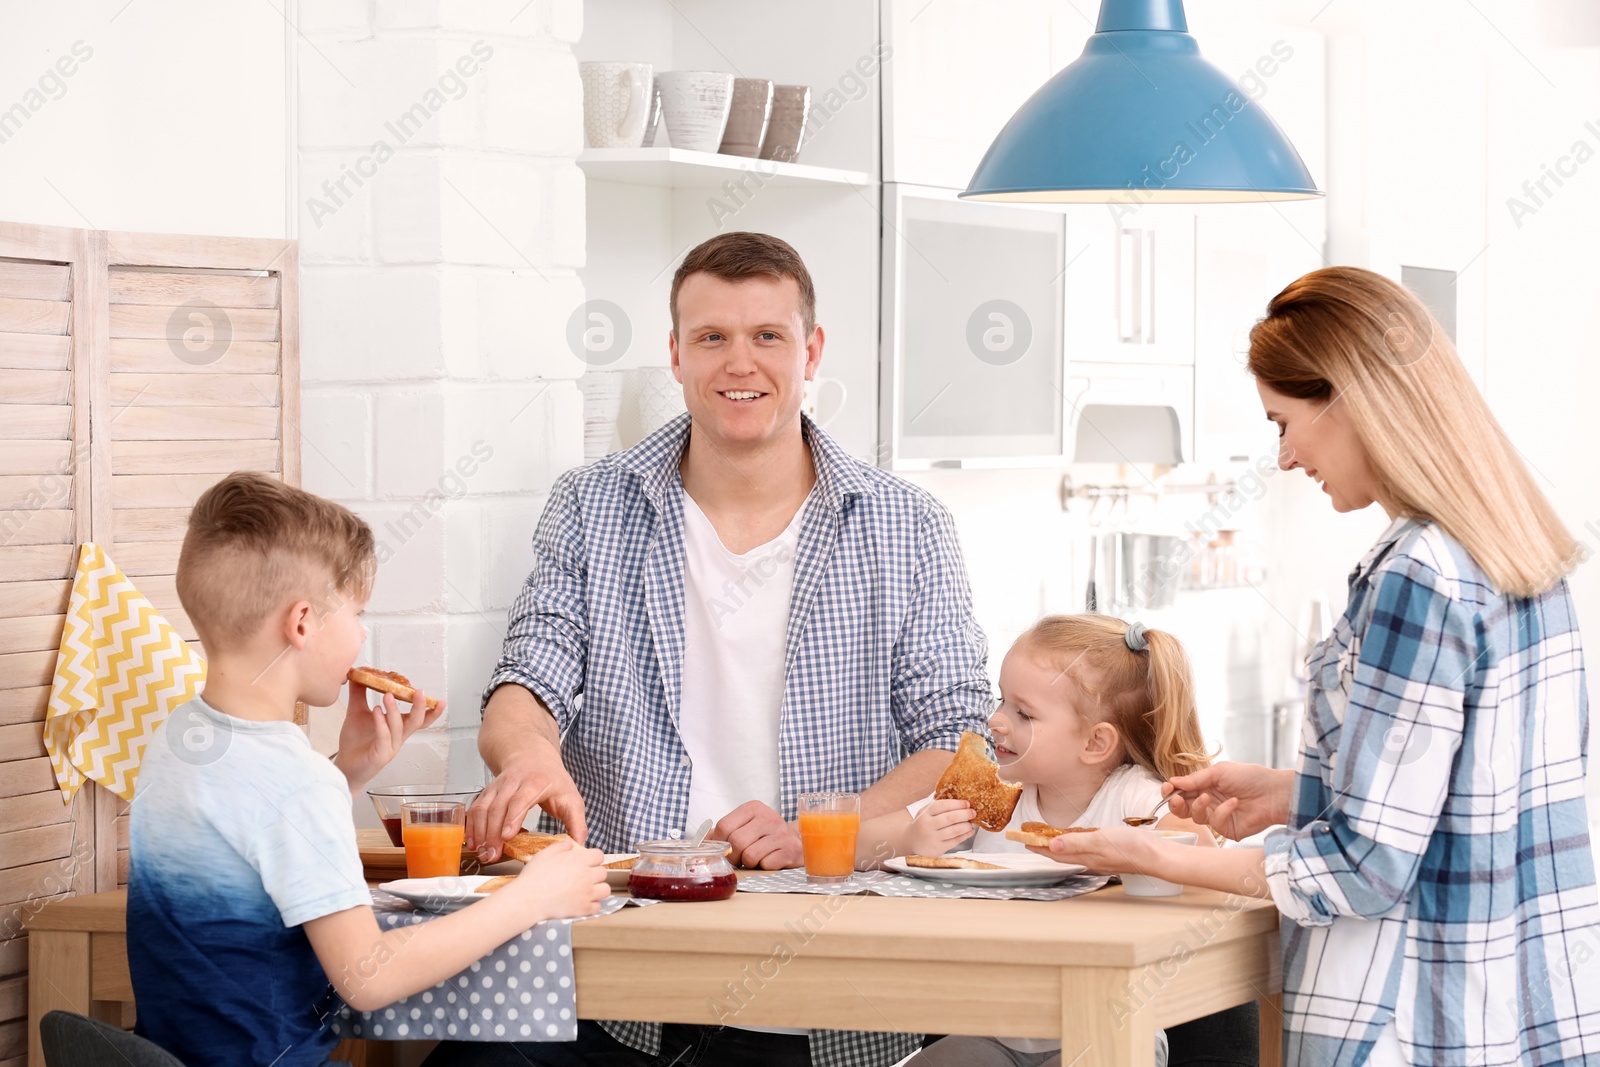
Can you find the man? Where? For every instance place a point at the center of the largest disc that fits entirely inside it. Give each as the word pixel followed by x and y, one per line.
pixel 748 614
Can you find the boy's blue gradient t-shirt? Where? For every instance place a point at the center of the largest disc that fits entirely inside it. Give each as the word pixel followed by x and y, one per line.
pixel 239 833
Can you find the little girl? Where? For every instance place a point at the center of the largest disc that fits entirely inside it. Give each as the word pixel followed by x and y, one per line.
pixel 1094 715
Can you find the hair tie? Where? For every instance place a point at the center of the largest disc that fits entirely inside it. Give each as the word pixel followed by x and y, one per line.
pixel 1135 638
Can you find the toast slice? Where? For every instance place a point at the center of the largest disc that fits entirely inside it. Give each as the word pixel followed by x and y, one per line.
pixel 499 881
pixel 622 865
pixel 952 863
pixel 387 682
pixel 1038 834
pixel 974 777
pixel 527 844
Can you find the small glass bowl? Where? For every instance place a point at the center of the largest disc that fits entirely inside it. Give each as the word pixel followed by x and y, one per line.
pixel 388 798
pixel 680 871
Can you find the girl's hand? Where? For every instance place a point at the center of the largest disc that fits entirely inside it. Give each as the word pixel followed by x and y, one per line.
pixel 1108 850
pixel 567 881
pixel 939 827
pixel 371 737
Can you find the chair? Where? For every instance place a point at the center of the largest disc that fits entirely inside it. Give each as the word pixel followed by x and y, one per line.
pixel 1228 1038
pixel 71 1040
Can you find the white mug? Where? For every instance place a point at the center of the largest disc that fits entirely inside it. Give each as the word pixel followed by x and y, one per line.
pixel 616 103
pixel 812 404
pixel 694 106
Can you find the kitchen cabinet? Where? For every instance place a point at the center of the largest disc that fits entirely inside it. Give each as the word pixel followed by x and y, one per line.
pixel 1245 254
pixel 1130 284
pixel 647 207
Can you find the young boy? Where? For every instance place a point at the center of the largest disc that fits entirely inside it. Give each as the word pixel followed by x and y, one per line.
pixel 245 889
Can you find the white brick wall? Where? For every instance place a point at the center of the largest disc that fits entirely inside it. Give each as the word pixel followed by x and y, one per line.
pixel 441 227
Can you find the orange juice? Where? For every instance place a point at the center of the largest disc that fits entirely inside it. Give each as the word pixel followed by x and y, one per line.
pixel 433 850
pixel 829 840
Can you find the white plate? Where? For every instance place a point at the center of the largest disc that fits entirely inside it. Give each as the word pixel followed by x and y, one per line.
pixel 619 879
pixel 1022 869
pixel 439 894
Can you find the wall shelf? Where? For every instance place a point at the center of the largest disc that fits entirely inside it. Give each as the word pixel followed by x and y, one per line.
pixel 678 168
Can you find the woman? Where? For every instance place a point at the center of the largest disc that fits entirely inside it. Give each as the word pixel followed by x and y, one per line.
pixel 1436 862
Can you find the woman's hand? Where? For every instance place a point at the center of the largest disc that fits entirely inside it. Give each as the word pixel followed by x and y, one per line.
pixel 1108 850
pixel 372 736
pixel 939 827
pixel 1235 799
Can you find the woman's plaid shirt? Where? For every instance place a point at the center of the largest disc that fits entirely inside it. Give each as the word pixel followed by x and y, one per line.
pixel 1437 865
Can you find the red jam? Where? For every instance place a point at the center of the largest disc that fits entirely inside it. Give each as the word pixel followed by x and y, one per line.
pixel 394 828
pixel 682 886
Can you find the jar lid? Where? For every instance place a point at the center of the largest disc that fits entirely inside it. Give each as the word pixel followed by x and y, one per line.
pixel 683 848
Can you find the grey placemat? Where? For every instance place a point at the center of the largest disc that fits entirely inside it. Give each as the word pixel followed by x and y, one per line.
pixel 890 884
pixel 521 991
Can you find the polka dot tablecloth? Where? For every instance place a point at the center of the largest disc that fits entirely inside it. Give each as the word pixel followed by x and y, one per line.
pixel 522 991
pixel 888 884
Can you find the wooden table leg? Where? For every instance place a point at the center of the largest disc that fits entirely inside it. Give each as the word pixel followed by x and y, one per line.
pixel 1099 1026
pixel 1271 1010
pixel 58 978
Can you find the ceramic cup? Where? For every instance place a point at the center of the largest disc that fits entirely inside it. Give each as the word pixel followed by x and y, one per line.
pixel 652 123
pixel 660 397
pixel 786 129
pixel 694 106
pixel 616 103
pixel 1143 885
pixel 824 399
pixel 747 117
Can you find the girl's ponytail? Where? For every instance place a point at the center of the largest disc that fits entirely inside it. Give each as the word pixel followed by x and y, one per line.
pixel 1177 745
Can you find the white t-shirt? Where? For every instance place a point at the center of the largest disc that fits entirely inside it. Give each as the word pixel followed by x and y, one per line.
pixel 1128 790
pixel 735 623
pixel 735 627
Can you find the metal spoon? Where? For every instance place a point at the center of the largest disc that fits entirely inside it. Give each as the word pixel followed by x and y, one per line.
pixel 700 835
pixel 1148 820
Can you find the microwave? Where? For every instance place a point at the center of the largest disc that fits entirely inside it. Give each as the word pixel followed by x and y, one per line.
pixel 989 350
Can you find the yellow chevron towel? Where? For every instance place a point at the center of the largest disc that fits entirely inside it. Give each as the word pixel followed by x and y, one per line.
pixel 121 670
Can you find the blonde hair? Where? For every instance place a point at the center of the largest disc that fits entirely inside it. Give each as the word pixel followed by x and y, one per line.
pixel 255 545
pixel 1342 334
pixel 1148 696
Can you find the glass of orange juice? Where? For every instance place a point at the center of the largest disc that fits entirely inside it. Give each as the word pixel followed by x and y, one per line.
pixel 828 826
pixel 433 831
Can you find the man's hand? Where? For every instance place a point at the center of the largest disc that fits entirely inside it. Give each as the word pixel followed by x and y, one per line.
pixel 371 736
pixel 1235 799
pixel 535 776
pixel 760 837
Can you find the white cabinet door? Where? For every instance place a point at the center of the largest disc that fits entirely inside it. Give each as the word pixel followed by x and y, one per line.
pixel 1130 285
pixel 958 71
pixel 1245 255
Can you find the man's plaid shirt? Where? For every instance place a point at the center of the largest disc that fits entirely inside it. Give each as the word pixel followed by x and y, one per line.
pixel 883 656
pixel 1437 864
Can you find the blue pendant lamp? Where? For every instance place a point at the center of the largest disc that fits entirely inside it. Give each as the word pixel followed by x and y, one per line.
pixel 1140 118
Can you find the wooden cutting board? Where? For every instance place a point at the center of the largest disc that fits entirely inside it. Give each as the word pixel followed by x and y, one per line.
pixel 383 861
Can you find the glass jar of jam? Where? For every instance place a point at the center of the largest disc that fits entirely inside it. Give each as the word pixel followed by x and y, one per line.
pixel 680 870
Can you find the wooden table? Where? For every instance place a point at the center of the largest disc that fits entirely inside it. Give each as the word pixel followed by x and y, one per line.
pixel 1104 970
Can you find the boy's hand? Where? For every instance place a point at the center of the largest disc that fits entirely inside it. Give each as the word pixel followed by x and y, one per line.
pixel 372 736
pixel 939 827
pixel 569 882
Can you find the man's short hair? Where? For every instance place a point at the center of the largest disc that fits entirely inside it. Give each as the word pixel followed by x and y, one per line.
pixel 255 546
pixel 742 254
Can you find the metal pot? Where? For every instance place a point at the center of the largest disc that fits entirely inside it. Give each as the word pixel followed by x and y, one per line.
pixel 1132 572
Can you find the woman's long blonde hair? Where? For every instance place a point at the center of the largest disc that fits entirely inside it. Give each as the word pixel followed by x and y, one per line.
pixel 1148 696
pixel 1346 335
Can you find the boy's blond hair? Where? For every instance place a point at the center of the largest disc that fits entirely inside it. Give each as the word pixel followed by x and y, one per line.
pixel 256 545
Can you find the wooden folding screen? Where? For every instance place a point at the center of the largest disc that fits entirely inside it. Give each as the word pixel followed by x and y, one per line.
pixel 135 371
